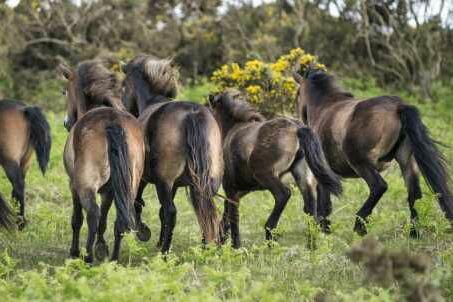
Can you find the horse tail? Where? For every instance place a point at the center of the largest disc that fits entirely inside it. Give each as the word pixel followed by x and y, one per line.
pixel 120 174
pixel 40 137
pixel 312 149
pixel 203 186
pixel 430 160
pixel 6 216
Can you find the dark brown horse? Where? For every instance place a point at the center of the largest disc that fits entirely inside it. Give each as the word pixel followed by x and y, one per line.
pixel 259 152
pixel 22 129
pixel 184 146
pixel 104 154
pixel 361 138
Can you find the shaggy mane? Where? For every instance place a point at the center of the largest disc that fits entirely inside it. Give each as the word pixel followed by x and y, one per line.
pixel 96 82
pixel 160 75
pixel 234 103
pixel 323 85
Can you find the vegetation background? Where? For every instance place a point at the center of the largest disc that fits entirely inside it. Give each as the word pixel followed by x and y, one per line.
pixel 401 47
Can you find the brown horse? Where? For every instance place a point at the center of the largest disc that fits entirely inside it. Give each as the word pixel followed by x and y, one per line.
pixel 259 152
pixel 104 153
pixel 184 146
pixel 22 129
pixel 360 139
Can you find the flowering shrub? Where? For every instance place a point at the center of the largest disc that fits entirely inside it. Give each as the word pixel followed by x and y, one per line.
pixel 270 86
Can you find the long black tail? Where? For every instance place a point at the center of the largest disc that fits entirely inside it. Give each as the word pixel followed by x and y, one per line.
pixel 39 135
pixel 6 217
pixel 430 160
pixel 120 175
pixel 317 162
pixel 199 163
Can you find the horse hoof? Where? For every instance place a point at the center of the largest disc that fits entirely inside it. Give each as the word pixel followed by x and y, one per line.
pixel 88 259
pixel 101 251
pixel 74 254
pixel 21 222
pixel 236 245
pixel 360 227
pixel 414 233
pixel 143 233
pixel 324 224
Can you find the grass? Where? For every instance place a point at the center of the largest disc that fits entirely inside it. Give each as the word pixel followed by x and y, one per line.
pixel 34 263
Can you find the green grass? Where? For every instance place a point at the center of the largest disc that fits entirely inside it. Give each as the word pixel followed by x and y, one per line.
pixel 34 264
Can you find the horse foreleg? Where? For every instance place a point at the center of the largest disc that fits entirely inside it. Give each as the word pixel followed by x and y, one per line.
pixel 377 186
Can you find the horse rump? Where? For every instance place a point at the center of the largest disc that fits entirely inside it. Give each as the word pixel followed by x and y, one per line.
pixel 40 137
pixel 430 160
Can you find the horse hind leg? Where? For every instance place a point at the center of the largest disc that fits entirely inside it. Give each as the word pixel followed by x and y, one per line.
pixel 324 209
pixel 281 195
pixel 143 231
pixel 225 223
pixel 409 170
pixel 162 219
pixel 76 224
pixel 101 249
pixel 378 187
pixel 88 201
pixel 307 186
pixel 165 195
pixel 16 177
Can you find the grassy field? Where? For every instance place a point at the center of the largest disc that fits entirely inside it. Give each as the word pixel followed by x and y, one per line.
pixel 34 264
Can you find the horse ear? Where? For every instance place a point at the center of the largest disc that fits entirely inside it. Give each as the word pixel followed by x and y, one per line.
pixel 66 71
pixel 211 99
pixel 297 77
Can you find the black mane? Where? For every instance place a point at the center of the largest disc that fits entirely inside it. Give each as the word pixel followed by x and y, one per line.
pixel 321 85
pixel 238 108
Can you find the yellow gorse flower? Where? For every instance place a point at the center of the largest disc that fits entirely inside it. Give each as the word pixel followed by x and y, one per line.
pixel 268 84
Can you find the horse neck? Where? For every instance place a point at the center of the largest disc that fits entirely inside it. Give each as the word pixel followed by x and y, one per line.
pixel 144 101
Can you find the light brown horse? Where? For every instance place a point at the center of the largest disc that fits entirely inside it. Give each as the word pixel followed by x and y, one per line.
pixel 184 146
pixel 259 152
pixel 361 138
pixel 22 129
pixel 104 153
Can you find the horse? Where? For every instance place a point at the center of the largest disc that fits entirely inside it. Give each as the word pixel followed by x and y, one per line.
pixel 258 153
pixel 184 147
pixel 104 153
pixel 362 138
pixel 22 129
